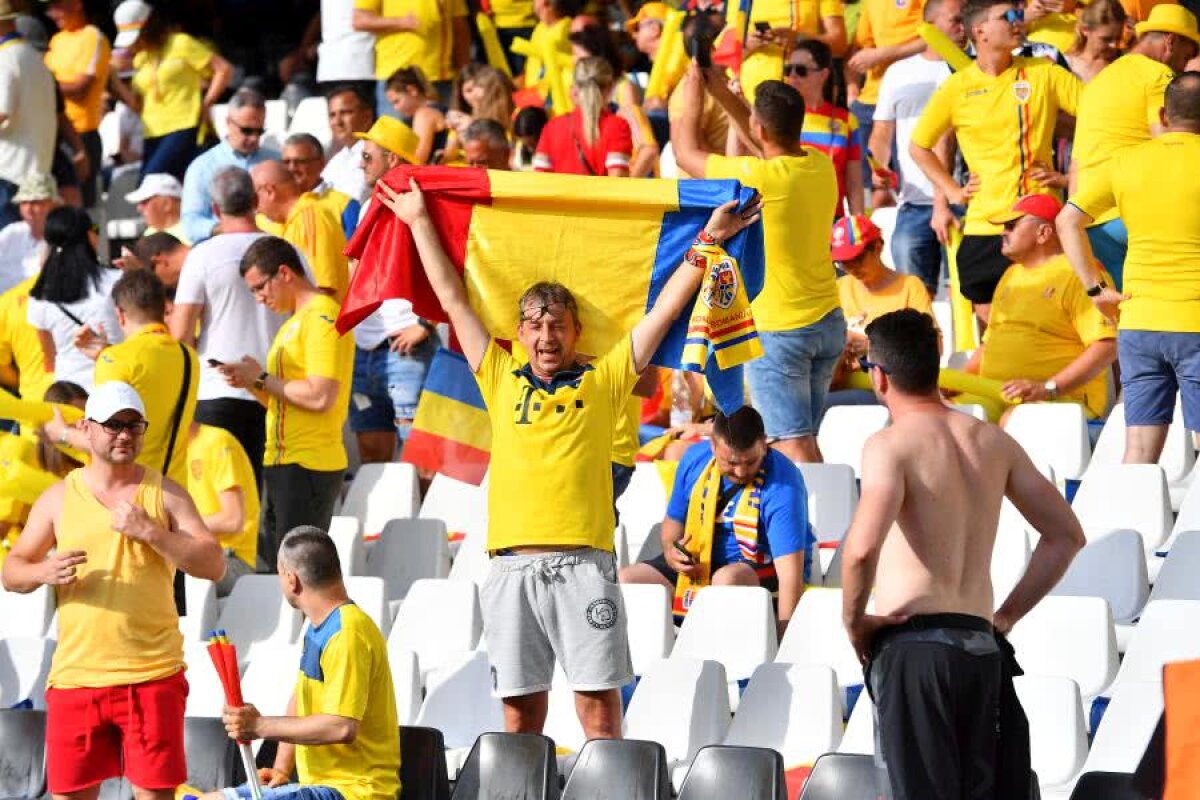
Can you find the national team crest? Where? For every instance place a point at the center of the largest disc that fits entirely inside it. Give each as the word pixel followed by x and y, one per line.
pixel 722 291
pixel 1022 90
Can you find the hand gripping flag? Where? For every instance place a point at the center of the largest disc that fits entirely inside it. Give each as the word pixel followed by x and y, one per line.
pixel 613 242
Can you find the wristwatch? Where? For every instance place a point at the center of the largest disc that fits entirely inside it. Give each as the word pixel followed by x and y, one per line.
pixel 1097 289
pixel 1051 387
pixel 260 383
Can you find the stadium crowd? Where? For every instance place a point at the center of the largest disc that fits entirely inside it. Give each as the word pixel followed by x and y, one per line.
pixel 1033 161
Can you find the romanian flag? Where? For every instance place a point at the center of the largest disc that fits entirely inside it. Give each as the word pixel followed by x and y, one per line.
pixel 614 242
pixel 451 433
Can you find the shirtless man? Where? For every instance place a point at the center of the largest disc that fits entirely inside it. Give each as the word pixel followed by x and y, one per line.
pixel 932 486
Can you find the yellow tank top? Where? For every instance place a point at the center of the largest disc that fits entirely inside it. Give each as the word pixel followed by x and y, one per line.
pixel 117 624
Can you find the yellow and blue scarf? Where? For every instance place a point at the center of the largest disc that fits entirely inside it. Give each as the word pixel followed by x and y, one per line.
pixel 721 323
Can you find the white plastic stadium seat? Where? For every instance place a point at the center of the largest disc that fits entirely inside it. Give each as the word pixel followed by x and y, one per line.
pixel 312 117
pixel 1178 458
pixel 26 614
pixel 346 533
pixel 844 431
pixel 1053 433
pixel 370 595
pixel 439 620
pixel 734 625
pixel 815 635
pixel 1112 566
pixel 462 506
pixel 471 562
pixel 1167 631
pixel 562 721
pixel 270 679
pixel 885 219
pixel 1057 733
pixel 381 492
pixel 1188 518
pixel 859 737
pixel 945 321
pixel 1069 637
pixel 201 599
pixel 1177 580
pixel 277 117
pixel 217 115
pixel 24 667
pixel 832 498
pixel 1010 556
pixel 1125 496
pixel 255 611
pixel 648 620
pixel 407 551
pixel 1123 733
pixel 642 506
pixel 459 703
pixel 406 683
pixel 682 704
pixel 792 708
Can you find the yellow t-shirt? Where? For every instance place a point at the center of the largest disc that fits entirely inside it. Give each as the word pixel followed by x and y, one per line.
pixel 1153 188
pixel 19 344
pixel 344 671
pixel 861 306
pixel 152 363
pixel 799 195
pixel 1116 110
pixel 1139 10
pixel 170 84
pixel 175 230
pixel 430 48
pixel 625 441
pixel 553 35
pixel 513 13
pixel 217 463
pixel 802 16
pixel 562 433
pixel 72 55
pixel 884 23
pixel 308 345
pixel 317 232
pixel 714 124
pixel 1056 30
pixel 1041 321
pixel 1004 125
pixel 117 623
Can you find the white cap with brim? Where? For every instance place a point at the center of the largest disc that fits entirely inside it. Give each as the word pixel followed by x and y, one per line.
pixel 129 18
pixel 156 184
pixel 110 399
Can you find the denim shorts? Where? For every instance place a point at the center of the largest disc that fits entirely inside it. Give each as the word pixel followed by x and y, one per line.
pixel 289 791
pixel 387 386
pixel 790 382
pixel 1154 365
pixel 915 248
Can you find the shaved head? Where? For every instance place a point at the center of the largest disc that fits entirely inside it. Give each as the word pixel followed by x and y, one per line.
pixel 276 189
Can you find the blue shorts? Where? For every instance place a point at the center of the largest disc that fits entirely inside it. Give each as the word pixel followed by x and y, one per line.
pixel 789 383
pixel 289 791
pixel 1154 365
pixel 387 386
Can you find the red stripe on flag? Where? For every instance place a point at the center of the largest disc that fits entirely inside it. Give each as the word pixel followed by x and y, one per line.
pixel 460 461
pixel 749 323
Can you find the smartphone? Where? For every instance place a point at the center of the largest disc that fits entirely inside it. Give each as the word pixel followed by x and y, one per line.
pixel 683 552
pixel 763 28
pixel 212 362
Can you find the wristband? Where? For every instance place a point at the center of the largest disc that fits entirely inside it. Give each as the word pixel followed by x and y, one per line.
pixel 260 383
pixel 706 239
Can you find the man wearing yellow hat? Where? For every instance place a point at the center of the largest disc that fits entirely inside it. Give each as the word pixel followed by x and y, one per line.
pixel 1120 107
pixel 393 346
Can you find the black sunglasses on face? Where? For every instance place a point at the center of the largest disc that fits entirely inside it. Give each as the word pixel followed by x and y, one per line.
pixel 799 70
pixel 113 427
pixel 250 131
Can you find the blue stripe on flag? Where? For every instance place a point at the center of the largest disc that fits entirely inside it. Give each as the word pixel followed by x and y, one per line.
pixel 450 376
pixel 738 340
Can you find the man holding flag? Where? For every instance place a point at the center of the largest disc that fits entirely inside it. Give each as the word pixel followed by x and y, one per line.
pixel 552 590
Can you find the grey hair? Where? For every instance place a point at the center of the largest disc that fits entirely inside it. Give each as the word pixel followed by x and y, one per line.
pixel 297 139
pixel 247 98
pixel 233 193
pixel 309 552
pixel 487 130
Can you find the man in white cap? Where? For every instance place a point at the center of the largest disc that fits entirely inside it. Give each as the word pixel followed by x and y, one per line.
pixel 22 243
pixel 27 115
pixel 109 538
pixel 158 200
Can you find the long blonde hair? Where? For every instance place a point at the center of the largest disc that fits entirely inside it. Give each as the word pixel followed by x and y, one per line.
pixel 497 102
pixel 1093 15
pixel 594 79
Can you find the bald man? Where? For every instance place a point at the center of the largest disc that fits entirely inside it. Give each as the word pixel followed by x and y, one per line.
pixel 301 218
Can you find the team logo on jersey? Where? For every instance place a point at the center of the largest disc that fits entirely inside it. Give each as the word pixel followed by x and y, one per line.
pixel 721 291
pixel 1022 90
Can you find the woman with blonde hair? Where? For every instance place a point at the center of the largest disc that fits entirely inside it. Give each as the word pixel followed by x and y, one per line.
pixel 1098 37
pixel 591 140
pixel 415 100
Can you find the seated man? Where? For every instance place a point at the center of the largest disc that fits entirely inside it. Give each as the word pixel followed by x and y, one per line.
pixel 1045 339
pixel 341 734
pixel 758 518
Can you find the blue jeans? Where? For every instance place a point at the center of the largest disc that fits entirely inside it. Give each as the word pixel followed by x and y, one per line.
pixel 915 248
pixel 865 115
pixel 387 387
pixel 790 382
pixel 1154 365
pixel 170 154
pixel 8 210
pixel 1110 242
pixel 290 791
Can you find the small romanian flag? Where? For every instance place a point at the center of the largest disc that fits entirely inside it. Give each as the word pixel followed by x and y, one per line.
pixel 451 433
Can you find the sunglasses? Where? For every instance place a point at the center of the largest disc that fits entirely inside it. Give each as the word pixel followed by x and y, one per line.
pixel 866 366
pixel 250 131
pixel 1013 16
pixel 114 427
pixel 799 70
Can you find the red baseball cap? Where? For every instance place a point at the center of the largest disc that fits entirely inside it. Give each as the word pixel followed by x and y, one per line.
pixel 1042 206
pixel 851 235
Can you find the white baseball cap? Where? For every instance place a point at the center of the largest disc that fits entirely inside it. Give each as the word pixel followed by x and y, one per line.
pixel 110 399
pixel 156 184
pixel 129 18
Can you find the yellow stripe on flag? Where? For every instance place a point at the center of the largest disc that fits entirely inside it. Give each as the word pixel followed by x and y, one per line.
pixel 448 418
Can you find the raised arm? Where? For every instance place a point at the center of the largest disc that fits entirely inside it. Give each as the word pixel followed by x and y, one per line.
pixel 409 207
pixel 686 137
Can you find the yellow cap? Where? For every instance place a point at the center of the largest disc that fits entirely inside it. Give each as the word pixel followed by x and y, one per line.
pixel 652 10
pixel 1170 18
pixel 394 136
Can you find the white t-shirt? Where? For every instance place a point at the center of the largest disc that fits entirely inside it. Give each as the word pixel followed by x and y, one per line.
pixel 344 53
pixel 392 316
pixel 905 90
pixel 97 310
pixel 233 324
pixel 27 101
pixel 20 254
pixel 344 173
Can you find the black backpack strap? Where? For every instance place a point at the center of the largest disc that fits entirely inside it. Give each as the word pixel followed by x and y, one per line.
pixel 178 416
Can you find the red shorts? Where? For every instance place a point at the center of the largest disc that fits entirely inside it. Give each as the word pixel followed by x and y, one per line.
pixel 96 734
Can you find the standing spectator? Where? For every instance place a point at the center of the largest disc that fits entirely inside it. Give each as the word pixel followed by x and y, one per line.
pixel 514 19
pixel 1121 107
pixel 797 314
pixel 591 140
pixel 788 23
pixel 240 148
pixel 922 213
pixel 304 157
pixel 118 531
pixel 1153 188
pixel 221 481
pixel 73 290
pixel 20 345
pixel 23 243
pixel 350 113
pixel 27 112
pixel 306 223
pixel 158 202
pixel 79 57
pixel 212 295
pixel 305 385
pixel 551 32
pixel 170 69
pixel 415 100
pixel 1098 39
pixel 345 55
pixel 414 33
pixel 831 129
pixel 1003 109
